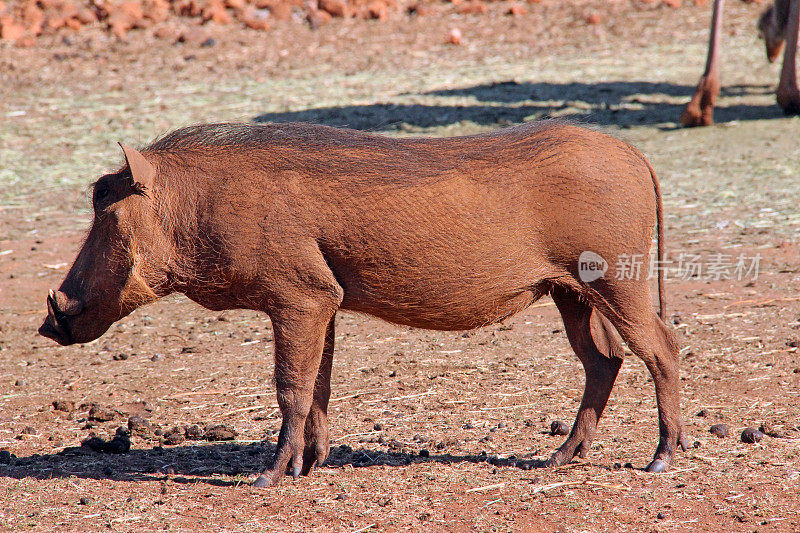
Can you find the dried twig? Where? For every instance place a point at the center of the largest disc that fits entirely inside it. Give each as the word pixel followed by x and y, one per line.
pixel 486 487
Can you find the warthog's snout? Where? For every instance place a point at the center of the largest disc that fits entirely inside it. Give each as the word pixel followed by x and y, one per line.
pixel 60 308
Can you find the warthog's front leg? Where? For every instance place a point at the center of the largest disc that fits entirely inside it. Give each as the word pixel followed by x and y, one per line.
pixel 300 335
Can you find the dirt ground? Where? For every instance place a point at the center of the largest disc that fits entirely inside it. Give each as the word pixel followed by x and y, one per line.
pixel 426 425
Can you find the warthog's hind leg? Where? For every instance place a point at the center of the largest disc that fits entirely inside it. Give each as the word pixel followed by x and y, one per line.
pixel 317 445
pixel 627 305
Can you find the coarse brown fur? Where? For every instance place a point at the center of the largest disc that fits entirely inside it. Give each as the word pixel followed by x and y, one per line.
pixel 300 221
pixel 778 24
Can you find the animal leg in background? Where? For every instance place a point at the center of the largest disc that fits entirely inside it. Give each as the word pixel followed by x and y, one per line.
pixel 700 110
pixel 788 94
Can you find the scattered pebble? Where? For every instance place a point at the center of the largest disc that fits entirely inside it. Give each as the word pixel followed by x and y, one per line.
pixel 66 406
pixel 220 432
pixel 768 429
pixel 720 430
pixel 6 457
pixel 176 435
pixel 559 427
pixel 194 432
pixel 85 501
pixel 101 414
pixel 139 426
pixel 455 37
pixel 594 18
pixel 752 435
pixel 118 445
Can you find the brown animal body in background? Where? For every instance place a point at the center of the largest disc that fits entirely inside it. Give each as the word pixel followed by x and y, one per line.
pixel 779 24
pixel 300 221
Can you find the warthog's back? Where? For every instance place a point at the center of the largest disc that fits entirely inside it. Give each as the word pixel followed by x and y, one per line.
pixel 448 233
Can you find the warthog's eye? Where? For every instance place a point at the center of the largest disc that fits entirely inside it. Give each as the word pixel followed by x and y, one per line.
pixel 101 193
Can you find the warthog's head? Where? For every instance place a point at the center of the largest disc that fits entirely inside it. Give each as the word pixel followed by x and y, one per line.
pixel 122 263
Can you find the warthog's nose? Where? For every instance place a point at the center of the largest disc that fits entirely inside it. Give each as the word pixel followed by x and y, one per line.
pixel 60 303
pixel 59 308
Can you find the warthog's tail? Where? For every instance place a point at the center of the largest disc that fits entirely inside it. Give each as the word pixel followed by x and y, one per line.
pixel 662 299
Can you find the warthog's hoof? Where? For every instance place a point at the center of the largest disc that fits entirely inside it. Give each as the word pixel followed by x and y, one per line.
pixel 263 481
pixel 657 466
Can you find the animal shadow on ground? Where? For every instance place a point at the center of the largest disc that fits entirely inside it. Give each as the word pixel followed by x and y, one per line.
pixel 205 461
pixel 619 103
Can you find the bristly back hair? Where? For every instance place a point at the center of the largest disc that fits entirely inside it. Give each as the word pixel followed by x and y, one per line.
pixel 311 135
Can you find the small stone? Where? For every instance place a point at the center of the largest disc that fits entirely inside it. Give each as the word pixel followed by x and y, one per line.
pixel 96 444
pixel 101 414
pixel 751 435
pixel 220 432
pixel 702 413
pixel 194 432
pixel 594 18
pixel 28 430
pixel 455 37
pixel 85 501
pixel 720 430
pixel 377 427
pixel 317 18
pixel 121 357
pixel 156 357
pixel 6 457
pixel 139 426
pixel 424 453
pixel 768 429
pixel 193 35
pixel 119 444
pixel 660 516
pixel 66 406
pixel 558 427
pixel 174 436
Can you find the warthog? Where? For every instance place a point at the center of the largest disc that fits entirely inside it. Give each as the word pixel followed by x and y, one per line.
pixel 300 221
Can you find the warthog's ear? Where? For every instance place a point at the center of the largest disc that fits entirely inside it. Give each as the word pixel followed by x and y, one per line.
pixel 142 171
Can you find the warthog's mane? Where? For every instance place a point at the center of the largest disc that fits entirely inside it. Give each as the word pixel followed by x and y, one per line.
pixel 310 135
pixel 317 150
